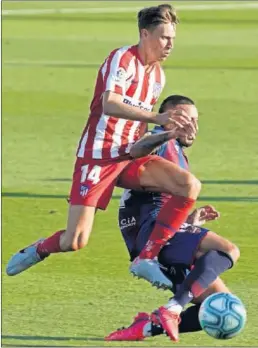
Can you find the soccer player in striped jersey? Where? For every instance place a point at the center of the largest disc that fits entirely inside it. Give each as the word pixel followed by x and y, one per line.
pixel 128 86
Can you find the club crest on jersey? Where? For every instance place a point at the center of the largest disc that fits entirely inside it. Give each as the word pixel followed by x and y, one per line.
pixel 120 76
pixel 84 190
pixel 156 90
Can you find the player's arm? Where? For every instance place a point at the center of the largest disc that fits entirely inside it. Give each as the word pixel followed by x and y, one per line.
pixel 113 106
pixel 150 142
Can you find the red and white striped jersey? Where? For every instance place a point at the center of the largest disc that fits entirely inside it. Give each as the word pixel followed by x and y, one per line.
pixel 110 138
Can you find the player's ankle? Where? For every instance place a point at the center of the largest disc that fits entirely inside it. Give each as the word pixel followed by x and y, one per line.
pixel 174 306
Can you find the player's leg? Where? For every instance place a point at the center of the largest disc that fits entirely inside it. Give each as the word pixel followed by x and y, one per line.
pixel 189 317
pixel 185 188
pixel 206 270
pixel 80 221
pixel 213 241
pixel 217 286
pixel 157 174
pixel 214 256
pixel 91 189
pixel 79 226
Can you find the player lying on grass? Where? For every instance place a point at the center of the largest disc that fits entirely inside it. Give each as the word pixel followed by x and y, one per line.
pixel 128 86
pixel 192 245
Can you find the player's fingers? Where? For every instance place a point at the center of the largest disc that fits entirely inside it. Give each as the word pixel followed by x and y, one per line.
pixel 212 216
pixel 180 116
pixel 184 119
pixel 189 131
pixel 180 112
pixel 195 124
pixel 176 123
pixel 210 208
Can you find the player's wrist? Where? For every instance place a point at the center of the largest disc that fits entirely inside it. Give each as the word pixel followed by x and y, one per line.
pixel 153 118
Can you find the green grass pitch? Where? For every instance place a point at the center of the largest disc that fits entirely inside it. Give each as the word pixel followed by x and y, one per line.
pixel 49 66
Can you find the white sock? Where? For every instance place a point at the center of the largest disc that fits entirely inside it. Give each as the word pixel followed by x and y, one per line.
pixel 174 306
pixel 147 329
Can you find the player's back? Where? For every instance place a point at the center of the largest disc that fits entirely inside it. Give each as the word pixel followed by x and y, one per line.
pixel 110 138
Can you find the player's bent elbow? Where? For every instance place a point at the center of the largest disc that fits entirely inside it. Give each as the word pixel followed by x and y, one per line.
pixel 107 108
pixel 109 103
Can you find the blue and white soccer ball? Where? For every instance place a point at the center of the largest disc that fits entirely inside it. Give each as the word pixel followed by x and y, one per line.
pixel 222 315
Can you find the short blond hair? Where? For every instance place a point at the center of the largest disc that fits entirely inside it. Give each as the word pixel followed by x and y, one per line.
pixel 150 17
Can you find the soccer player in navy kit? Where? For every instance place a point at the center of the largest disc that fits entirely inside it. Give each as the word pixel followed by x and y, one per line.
pixel 193 258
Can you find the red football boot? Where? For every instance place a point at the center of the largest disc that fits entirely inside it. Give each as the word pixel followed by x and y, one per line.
pixel 132 333
pixel 168 320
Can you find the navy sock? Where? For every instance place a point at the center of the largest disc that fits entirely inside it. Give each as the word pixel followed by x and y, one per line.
pixel 189 320
pixel 206 269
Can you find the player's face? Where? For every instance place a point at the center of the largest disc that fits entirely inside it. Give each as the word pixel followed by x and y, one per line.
pixel 159 41
pixel 192 112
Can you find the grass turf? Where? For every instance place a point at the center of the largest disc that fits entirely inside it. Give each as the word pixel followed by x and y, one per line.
pixel 49 67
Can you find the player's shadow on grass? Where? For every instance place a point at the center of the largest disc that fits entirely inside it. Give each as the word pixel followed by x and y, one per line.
pixel 207 182
pixel 52 338
pixel 249 199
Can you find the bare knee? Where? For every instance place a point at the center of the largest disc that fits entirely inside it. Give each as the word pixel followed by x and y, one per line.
pixel 231 250
pixel 191 186
pixel 234 253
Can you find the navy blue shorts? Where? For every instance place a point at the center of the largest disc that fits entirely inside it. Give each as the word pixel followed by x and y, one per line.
pixel 176 257
pixel 180 249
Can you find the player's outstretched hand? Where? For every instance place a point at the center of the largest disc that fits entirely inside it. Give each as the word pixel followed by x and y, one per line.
pixel 179 122
pixel 202 215
pixel 176 117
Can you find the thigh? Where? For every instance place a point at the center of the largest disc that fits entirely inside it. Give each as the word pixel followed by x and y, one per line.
pixel 93 184
pixel 163 176
pixel 128 220
pixel 181 249
pixel 213 241
pixel 155 174
pixel 217 286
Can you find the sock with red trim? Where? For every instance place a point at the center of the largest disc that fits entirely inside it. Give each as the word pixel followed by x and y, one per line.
pixel 169 220
pixel 206 269
pixel 50 245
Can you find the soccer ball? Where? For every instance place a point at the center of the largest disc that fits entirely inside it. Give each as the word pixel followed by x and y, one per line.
pixel 222 315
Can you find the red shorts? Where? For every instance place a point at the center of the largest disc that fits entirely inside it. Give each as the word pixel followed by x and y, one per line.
pixel 93 184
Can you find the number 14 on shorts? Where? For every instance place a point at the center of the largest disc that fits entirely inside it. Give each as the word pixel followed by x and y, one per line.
pixel 92 175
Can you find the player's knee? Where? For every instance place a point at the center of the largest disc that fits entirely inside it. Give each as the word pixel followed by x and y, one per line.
pixel 192 186
pixel 233 252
